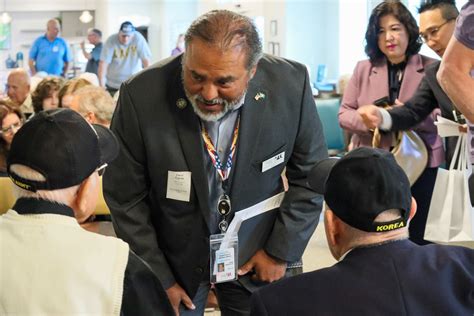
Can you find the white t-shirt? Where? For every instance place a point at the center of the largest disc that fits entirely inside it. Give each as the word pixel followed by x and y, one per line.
pixel 124 60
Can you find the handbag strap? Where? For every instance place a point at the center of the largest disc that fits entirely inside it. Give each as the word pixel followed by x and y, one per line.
pixel 459 155
pixel 377 137
pixel 465 154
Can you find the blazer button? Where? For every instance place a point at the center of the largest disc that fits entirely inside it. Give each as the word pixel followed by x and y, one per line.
pixel 198 270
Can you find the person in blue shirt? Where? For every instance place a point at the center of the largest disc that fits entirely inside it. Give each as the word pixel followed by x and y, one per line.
pixel 50 53
pixel 94 36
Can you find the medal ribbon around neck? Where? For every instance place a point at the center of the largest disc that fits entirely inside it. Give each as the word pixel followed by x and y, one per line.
pixel 224 173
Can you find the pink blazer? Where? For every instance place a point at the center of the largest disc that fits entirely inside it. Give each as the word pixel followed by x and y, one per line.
pixel 369 83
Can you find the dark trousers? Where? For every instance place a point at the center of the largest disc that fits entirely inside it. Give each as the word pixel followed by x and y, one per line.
pixel 422 190
pixel 233 297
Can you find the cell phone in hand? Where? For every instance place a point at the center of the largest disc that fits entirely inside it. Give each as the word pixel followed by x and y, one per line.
pixel 382 102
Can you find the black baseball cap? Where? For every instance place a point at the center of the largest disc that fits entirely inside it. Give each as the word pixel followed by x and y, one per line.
pixel 127 28
pixel 361 185
pixel 62 146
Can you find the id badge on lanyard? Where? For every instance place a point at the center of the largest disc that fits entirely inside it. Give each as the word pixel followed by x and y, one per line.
pixel 223 256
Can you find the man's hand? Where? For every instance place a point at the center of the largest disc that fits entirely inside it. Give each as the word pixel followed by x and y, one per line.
pixel 177 295
pixel 370 115
pixel 267 269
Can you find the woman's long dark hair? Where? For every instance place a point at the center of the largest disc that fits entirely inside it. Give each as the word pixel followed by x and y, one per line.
pixel 401 13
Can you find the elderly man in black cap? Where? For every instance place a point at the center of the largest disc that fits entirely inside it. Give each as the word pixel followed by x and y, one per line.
pixel 380 272
pixel 49 264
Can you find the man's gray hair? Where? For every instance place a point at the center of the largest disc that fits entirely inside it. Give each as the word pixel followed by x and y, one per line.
pixel 226 30
pixel 96 100
pixel 64 196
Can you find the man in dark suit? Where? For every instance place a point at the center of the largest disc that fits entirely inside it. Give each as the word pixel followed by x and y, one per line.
pixel 437 21
pixel 207 134
pixel 380 271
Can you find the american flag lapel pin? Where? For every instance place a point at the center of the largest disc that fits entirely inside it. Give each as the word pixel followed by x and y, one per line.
pixel 259 96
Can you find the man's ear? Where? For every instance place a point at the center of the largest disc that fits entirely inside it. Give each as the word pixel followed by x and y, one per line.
pixel 334 233
pixel 412 208
pixel 332 227
pixel 86 198
pixel 252 72
pixel 90 117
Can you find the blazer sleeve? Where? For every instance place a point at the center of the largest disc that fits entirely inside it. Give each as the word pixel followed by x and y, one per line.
pixel 142 292
pixel 299 212
pixel 416 109
pixel 127 187
pixel 349 119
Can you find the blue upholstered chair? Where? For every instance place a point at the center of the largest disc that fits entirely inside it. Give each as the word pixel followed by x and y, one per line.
pixel 327 110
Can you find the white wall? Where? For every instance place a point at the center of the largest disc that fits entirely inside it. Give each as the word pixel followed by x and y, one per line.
pixel 167 18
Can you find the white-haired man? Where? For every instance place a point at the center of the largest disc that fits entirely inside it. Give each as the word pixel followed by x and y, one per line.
pixel 53 266
pixel 94 104
pixel 18 83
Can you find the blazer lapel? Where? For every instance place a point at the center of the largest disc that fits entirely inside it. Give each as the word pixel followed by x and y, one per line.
pixel 189 133
pixel 378 81
pixel 414 72
pixel 250 126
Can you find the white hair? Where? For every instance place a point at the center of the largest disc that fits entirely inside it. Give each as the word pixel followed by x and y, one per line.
pixel 62 196
pixel 91 77
pixel 96 100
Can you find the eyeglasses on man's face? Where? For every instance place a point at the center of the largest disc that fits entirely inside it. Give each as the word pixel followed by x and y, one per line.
pixel 432 32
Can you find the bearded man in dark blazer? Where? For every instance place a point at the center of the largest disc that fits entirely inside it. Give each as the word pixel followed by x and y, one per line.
pixel 216 126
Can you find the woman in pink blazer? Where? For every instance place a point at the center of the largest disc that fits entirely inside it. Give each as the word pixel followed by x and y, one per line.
pixel 394 70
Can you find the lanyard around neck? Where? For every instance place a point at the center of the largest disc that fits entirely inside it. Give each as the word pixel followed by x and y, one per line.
pixel 224 171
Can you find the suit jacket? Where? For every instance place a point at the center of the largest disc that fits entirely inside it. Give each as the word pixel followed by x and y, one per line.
pixel 157 136
pixel 427 98
pixel 369 83
pixel 397 278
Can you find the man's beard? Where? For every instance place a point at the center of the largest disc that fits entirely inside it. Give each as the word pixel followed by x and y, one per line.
pixel 212 117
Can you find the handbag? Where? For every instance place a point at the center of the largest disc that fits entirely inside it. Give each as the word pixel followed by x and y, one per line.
pixel 451 215
pixel 409 151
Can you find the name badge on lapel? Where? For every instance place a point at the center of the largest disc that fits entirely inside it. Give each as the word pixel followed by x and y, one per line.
pixel 179 185
pixel 274 161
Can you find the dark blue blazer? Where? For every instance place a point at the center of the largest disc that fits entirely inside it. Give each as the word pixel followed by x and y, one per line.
pixel 397 278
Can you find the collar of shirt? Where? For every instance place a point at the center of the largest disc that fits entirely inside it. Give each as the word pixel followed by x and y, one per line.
pixel 24 206
pixel 220 132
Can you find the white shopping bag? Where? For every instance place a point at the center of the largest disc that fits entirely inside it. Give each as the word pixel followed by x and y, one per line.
pixel 451 215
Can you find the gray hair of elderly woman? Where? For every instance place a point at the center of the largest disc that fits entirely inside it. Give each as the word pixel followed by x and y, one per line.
pixel 96 100
pixel 226 30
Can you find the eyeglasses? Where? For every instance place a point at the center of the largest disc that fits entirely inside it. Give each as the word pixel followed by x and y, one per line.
pixel 9 130
pixel 432 31
pixel 101 169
